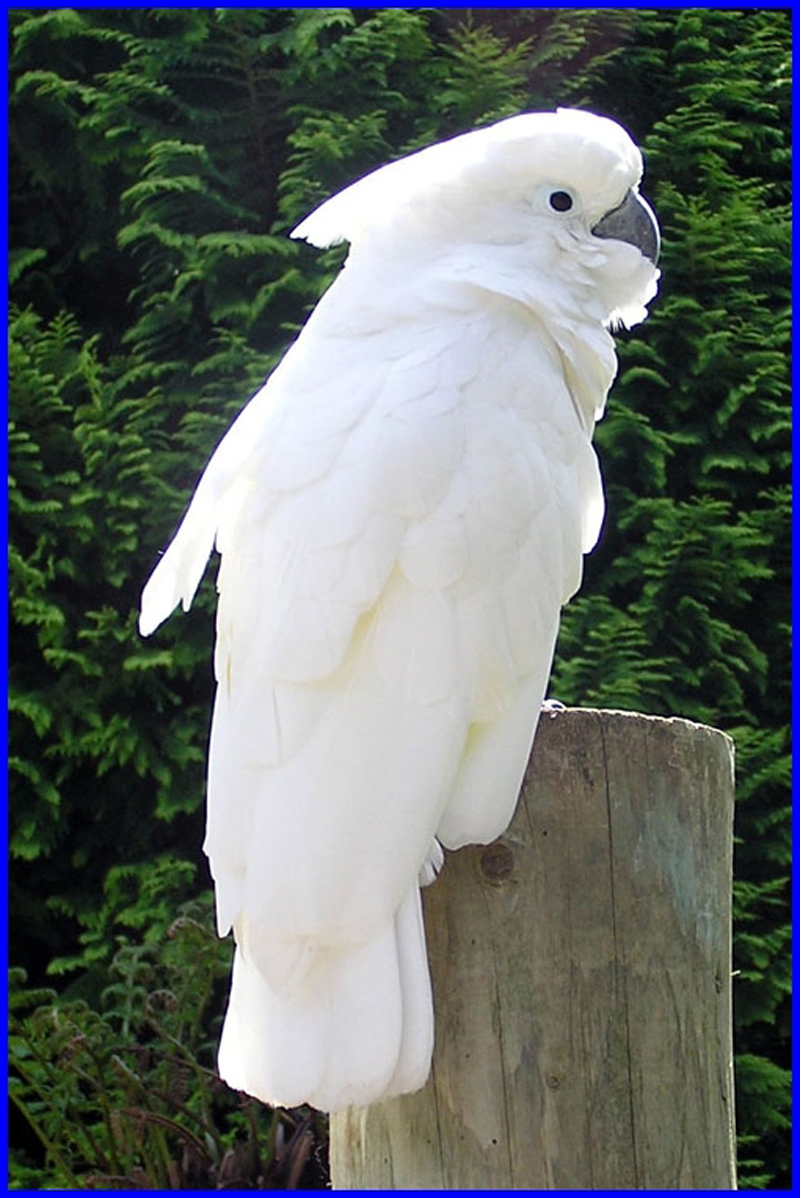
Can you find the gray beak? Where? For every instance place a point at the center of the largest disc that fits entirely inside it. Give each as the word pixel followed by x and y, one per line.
pixel 633 221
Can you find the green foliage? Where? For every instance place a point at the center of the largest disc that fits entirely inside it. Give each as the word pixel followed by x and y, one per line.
pixel 158 158
pixel 138 903
pixel 103 730
pixel 124 1094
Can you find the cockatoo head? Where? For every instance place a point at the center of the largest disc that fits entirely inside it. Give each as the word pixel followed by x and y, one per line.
pixel 550 198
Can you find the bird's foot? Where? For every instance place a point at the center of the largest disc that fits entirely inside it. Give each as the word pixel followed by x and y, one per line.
pixel 432 864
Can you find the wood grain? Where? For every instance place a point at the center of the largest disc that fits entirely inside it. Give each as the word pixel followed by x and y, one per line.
pixel 581 969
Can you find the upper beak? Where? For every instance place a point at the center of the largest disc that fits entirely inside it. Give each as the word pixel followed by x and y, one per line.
pixel 632 221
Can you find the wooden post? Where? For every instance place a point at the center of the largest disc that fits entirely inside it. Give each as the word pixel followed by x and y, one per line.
pixel 581 970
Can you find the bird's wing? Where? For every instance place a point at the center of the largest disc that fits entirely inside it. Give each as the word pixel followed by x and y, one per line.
pixel 339 716
pixel 399 525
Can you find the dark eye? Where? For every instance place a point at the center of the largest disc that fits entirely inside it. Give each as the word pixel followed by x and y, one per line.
pixel 560 201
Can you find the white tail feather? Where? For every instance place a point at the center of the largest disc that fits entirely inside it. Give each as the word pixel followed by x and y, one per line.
pixel 358 1028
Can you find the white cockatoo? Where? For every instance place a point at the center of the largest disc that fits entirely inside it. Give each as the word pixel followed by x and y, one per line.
pixel 401 512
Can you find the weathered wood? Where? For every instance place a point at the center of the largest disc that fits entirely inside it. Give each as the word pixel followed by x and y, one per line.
pixel 581 969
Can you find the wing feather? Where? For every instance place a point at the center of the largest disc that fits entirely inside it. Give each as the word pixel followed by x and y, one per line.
pixel 393 563
pixel 388 542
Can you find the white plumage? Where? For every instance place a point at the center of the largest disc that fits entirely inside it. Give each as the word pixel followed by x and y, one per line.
pixel 401 512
